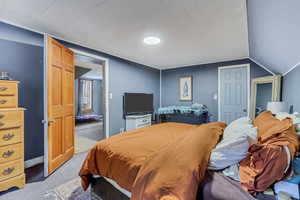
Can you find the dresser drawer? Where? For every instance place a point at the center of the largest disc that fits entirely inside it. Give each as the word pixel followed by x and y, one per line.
pixel 11 169
pixel 11 152
pixel 8 88
pixel 8 102
pixel 144 120
pixel 143 125
pixel 10 119
pixel 10 136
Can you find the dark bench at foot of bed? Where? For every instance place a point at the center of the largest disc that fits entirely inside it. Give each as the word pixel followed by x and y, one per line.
pixel 215 186
pixel 189 118
pixel 103 190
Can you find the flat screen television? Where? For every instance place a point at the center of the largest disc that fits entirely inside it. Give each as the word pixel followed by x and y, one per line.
pixel 137 103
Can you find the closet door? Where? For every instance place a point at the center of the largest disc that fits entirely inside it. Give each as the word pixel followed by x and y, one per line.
pixel 60 75
pixel 234 93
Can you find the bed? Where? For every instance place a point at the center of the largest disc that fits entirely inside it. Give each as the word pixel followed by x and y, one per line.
pixel 174 153
pixel 171 161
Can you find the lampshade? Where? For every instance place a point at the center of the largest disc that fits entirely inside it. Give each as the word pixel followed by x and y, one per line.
pixel 277 107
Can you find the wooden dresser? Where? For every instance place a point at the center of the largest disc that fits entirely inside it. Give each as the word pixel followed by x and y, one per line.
pixel 11 137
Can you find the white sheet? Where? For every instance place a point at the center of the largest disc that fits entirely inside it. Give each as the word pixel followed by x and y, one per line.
pixel 234 144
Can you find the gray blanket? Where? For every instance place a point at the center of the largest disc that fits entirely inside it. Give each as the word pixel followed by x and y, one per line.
pixel 216 186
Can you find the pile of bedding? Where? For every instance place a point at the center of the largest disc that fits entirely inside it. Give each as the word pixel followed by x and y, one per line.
pixel 169 161
pixel 258 153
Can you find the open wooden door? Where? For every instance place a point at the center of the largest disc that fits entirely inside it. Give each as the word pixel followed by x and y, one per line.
pixel 60 75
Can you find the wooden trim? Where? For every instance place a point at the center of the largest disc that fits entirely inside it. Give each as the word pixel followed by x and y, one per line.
pixel 276 90
pixel 10 81
pixel 34 161
pixel 106 86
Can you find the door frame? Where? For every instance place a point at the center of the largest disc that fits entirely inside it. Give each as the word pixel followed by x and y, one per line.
pixel 247 65
pixel 45 86
pixel 106 88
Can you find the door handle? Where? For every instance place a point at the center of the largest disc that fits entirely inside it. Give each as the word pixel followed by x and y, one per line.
pixel 3 101
pixel 49 121
pixel 8 153
pixel 3 89
pixel 8 136
pixel 8 171
pixel 1 116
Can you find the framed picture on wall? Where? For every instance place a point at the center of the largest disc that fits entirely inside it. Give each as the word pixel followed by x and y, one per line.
pixel 185 88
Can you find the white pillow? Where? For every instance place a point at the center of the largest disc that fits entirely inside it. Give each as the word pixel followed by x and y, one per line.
pixel 234 144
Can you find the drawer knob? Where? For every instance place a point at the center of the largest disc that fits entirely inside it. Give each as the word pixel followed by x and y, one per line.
pixel 3 101
pixel 8 171
pixel 1 124
pixel 8 136
pixel 8 153
pixel 3 89
pixel 1 116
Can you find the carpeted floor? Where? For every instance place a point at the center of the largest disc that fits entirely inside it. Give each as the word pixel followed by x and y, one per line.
pixel 92 130
pixel 71 190
pixel 87 135
pixel 36 186
pixel 83 144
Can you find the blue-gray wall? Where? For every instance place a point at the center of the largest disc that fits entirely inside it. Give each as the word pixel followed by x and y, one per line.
pixel 24 61
pixel 98 97
pixel 273 27
pixel 205 83
pixel 22 56
pixel 13 33
pixel 125 76
pixel 274 30
pixel 290 89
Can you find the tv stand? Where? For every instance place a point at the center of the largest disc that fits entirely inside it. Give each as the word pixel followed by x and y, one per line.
pixel 137 121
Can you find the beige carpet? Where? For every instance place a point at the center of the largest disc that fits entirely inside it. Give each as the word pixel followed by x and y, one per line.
pixel 83 144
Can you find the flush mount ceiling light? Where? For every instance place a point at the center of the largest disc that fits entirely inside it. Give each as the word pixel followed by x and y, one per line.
pixel 151 40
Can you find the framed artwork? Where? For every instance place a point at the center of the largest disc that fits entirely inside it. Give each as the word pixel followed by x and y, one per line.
pixel 185 88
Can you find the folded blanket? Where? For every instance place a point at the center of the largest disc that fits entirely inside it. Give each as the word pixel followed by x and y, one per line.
pixel 165 161
pixel 199 110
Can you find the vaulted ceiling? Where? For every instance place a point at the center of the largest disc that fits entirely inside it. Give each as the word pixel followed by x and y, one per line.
pixel 191 31
pixel 274 30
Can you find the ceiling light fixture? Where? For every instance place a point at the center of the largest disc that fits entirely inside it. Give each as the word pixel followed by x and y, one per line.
pixel 151 40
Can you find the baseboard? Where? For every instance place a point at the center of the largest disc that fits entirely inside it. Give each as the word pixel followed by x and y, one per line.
pixel 34 161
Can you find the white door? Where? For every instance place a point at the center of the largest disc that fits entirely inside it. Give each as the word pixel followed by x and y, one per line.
pixel 234 84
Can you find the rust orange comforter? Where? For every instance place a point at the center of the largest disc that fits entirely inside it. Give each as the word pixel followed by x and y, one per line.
pixel 165 161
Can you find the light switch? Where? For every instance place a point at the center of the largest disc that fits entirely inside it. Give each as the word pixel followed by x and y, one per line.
pixel 110 95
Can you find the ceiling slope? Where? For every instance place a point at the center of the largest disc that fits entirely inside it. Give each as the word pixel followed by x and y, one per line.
pixel 191 31
pixel 274 34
